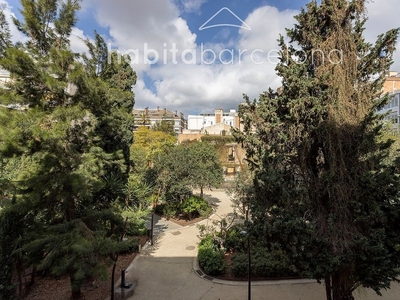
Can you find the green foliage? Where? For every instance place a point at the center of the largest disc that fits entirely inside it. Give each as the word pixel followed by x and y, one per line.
pixel 149 145
pixel 190 208
pixel 133 244
pixel 264 263
pixel 187 166
pixel 5 35
pixel 240 264
pixel 136 224
pixel 38 16
pixel 211 259
pixel 70 148
pixel 324 188
pixel 234 240
pixel 9 227
pixel 195 206
pixel 170 209
pixel 242 191
pixel 218 140
pixel 165 126
pixel 271 264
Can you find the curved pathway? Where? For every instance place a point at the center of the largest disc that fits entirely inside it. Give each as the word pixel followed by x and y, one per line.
pixel 168 270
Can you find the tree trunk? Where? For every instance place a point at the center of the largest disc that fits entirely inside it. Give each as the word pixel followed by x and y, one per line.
pixel 19 275
pixel 113 276
pixel 115 259
pixel 328 287
pixel 76 295
pixel 201 192
pixel 75 287
pixel 341 289
pixel 33 276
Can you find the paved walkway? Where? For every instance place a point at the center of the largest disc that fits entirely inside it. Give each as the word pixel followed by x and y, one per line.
pixel 168 270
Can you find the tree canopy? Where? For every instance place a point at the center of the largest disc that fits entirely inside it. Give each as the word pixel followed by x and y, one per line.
pixel 74 135
pixel 323 188
pixel 188 166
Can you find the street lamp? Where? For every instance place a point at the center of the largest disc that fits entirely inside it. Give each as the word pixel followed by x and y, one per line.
pixel 245 233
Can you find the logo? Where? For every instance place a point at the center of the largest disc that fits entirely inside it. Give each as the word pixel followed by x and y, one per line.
pixel 208 24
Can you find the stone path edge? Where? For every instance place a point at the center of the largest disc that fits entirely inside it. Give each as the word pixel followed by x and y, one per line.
pixel 201 274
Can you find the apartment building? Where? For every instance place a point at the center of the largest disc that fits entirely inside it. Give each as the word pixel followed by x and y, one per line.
pixel 202 121
pixel 392 109
pixel 392 82
pixel 4 77
pixel 149 117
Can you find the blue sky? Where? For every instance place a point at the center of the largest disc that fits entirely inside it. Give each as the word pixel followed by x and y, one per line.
pixel 187 69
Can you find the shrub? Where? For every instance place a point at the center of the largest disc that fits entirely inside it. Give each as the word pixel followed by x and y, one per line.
pixel 207 241
pixel 211 259
pixel 192 207
pixel 234 240
pixel 133 244
pixel 133 228
pixel 195 206
pixel 240 266
pixel 171 209
pixel 177 192
pixel 160 209
pixel 272 264
pixel 264 263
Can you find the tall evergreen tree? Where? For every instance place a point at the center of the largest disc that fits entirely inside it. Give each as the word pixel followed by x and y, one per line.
pixel 75 134
pixel 5 35
pixel 324 190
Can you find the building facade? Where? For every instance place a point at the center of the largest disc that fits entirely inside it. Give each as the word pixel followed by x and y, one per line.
pixel 392 82
pixel 202 121
pixel 4 77
pixel 392 109
pixel 149 117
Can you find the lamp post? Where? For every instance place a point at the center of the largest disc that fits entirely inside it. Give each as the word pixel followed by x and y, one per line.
pixel 244 233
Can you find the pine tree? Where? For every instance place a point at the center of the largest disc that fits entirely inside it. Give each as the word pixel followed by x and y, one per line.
pixel 324 190
pixel 5 35
pixel 75 134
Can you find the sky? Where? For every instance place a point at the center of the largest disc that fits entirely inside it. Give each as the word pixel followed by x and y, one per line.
pixel 195 56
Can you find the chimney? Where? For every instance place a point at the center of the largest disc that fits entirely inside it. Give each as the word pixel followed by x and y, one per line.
pixel 218 116
pixel 158 108
pixel 147 111
pixel 165 111
pixel 176 113
pixel 237 121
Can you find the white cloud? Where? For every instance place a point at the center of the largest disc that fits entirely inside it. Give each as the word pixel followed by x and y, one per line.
pixel 144 97
pixel 158 25
pixel 16 35
pixel 77 39
pixel 192 5
pixel 186 87
pixel 382 16
pixel 153 24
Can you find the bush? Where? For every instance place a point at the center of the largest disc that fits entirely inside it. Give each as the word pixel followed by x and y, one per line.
pixel 191 208
pixel 211 259
pixel 133 229
pixel 171 209
pixel 234 241
pixel 272 264
pixel 177 193
pixel 267 264
pixel 240 264
pixel 207 241
pixel 133 244
pixel 195 206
